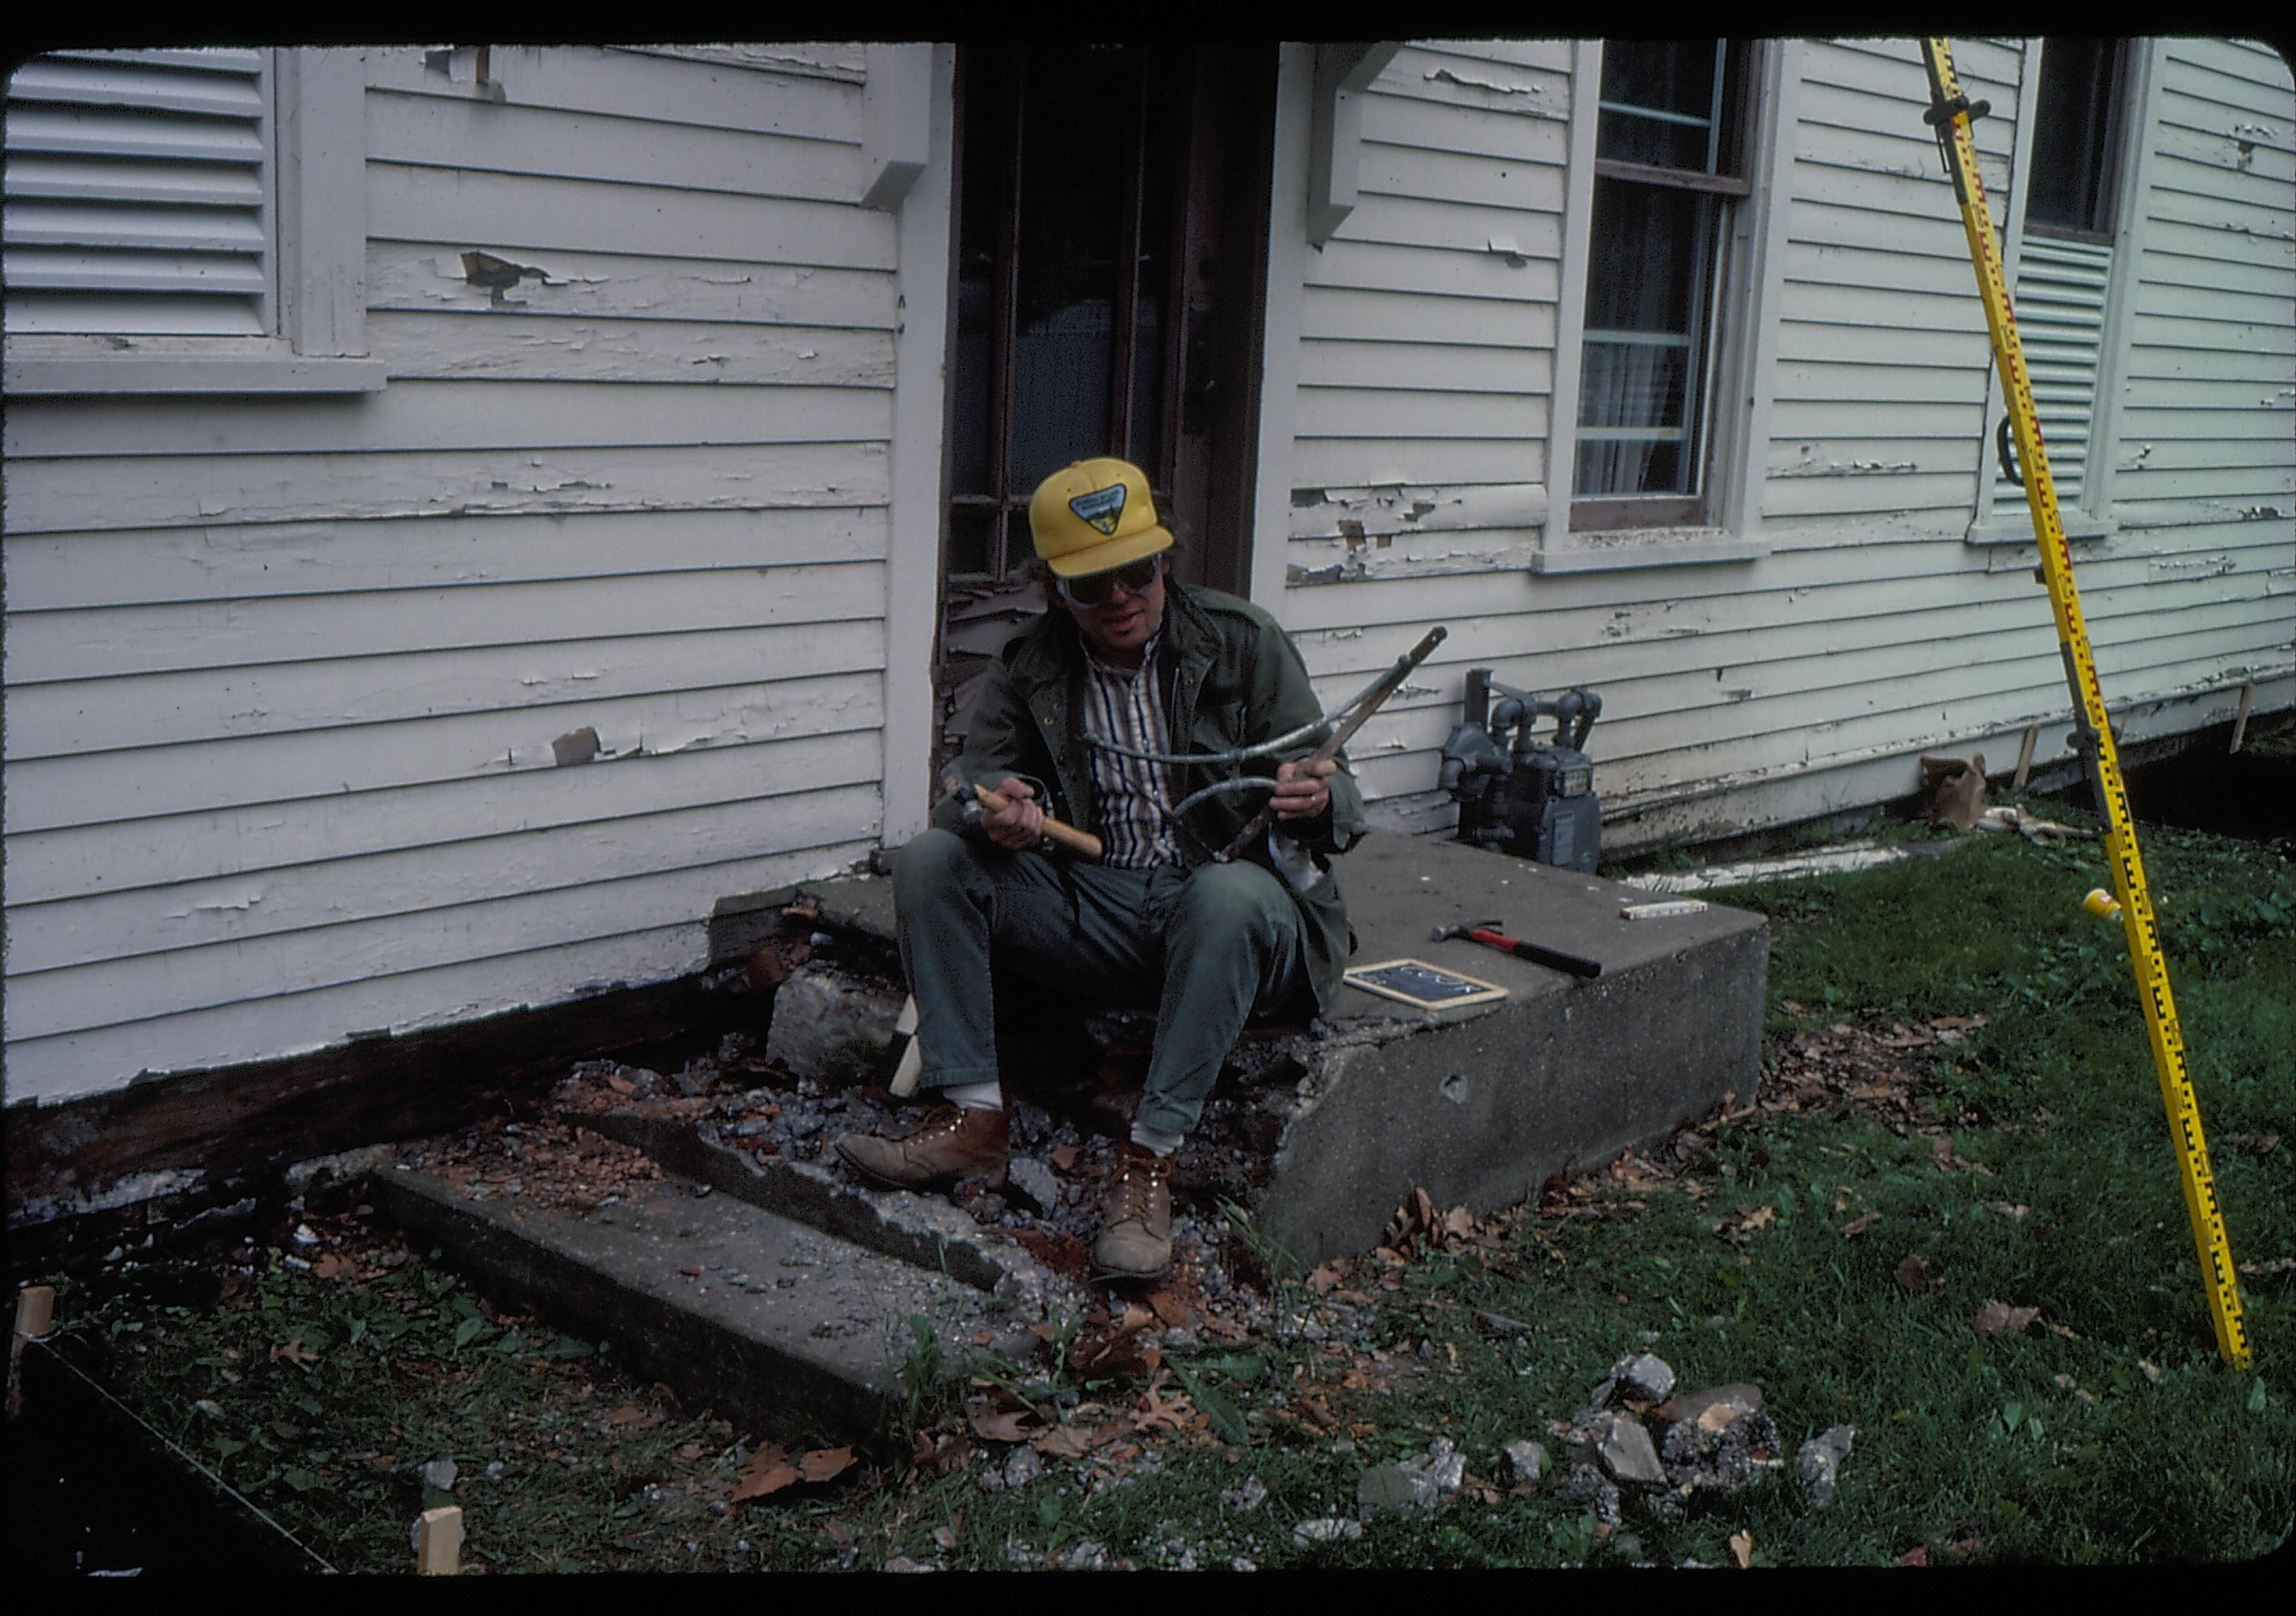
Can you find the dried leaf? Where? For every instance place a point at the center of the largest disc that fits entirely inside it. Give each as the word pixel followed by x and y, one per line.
pixel 1324 1278
pixel 1941 1151
pixel 1742 1549
pixel 1919 1554
pixel 1859 1225
pixel 1759 1217
pixel 1005 1425
pixel 293 1353
pixel 620 1084
pixel 824 1463
pixel 1459 1221
pixel 1167 1305
pixel 1173 1412
pixel 1135 1318
pixel 1063 1442
pixel 767 1471
pixel 1064 1157
pixel 1999 1318
pixel 1913 1274
pixel 329 1266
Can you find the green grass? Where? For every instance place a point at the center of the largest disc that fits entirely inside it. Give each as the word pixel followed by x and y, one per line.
pixel 2116 1436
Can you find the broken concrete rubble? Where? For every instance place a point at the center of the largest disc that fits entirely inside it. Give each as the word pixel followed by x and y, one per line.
pixel 1521 1463
pixel 1644 1377
pixel 1620 1445
pixel 1420 1483
pixel 1708 1410
pixel 1819 1459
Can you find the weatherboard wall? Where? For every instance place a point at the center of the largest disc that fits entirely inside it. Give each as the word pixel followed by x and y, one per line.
pixel 1796 658
pixel 301 692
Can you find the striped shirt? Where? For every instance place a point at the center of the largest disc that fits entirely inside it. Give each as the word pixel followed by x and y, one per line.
pixel 1120 706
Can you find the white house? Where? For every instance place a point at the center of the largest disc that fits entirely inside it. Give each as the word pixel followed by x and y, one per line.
pixel 469 513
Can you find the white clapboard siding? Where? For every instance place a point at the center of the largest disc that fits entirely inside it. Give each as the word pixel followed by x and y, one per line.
pixel 334 713
pixel 51 866
pixel 1870 631
pixel 638 931
pixel 64 571
pixel 2205 453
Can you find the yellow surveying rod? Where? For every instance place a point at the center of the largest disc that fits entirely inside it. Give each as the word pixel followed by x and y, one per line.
pixel 1950 116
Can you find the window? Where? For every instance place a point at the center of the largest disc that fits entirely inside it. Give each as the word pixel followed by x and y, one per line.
pixel 1669 168
pixel 2063 287
pixel 2077 139
pixel 185 220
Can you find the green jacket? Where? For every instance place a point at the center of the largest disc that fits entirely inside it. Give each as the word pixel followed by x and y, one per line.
pixel 1231 678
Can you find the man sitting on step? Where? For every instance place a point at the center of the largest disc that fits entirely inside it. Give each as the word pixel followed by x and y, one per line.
pixel 1132 656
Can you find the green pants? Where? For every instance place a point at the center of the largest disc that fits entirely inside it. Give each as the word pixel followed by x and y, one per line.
pixel 1206 947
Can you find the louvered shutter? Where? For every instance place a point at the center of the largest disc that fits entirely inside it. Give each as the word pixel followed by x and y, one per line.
pixel 2060 303
pixel 139 193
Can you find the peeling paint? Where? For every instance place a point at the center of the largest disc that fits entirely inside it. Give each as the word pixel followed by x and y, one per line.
pixel 579 746
pixel 2202 566
pixel 1445 75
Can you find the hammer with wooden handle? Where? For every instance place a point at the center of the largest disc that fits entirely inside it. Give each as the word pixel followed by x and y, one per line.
pixel 976 798
pixel 980 799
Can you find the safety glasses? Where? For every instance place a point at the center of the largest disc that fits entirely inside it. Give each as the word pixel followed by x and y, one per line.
pixel 1094 588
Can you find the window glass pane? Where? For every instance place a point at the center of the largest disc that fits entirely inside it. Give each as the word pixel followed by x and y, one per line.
pixel 2072 160
pixel 1643 140
pixel 1630 466
pixel 1666 75
pixel 1648 274
pixel 969 535
pixel 1659 102
pixel 1158 198
pixel 1071 163
pixel 984 203
pixel 1643 259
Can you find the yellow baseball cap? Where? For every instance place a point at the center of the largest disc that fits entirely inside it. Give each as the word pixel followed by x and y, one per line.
pixel 1094 515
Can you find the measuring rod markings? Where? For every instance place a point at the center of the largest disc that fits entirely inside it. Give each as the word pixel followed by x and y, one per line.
pixel 1949 115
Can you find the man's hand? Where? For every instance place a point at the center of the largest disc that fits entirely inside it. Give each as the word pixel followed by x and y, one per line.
pixel 1301 792
pixel 1019 824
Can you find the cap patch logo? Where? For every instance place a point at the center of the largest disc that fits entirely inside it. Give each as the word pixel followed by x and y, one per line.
pixel 1102 508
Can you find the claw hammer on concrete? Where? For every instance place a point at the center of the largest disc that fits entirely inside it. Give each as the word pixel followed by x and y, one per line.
pixel 1487 932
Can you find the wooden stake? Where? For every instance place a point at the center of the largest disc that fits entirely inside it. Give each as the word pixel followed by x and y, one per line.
pixel 2240 720
pixel 2025 755
pixel 35 1309
pixel 438 1542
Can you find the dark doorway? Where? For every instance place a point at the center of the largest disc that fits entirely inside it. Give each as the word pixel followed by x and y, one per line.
pixel 1111 255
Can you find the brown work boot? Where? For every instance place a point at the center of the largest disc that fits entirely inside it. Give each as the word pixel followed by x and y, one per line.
pixel 1135 1238
pixel 950 1143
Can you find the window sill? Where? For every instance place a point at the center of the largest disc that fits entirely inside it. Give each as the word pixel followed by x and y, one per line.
pixel 187 374
pixel 1627 548
pixel 2018 529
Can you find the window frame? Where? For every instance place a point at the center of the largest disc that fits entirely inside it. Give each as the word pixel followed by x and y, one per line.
pixel 1720 521
pixel 1995 522
pixel 318 248
pixel 2115 140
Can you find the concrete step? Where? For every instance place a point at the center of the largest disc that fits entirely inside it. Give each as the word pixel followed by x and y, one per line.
pixel 778 1325
pixel 924 1231
pixel 1477 1106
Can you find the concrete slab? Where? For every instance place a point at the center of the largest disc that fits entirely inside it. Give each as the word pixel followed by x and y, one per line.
pixel 924 1231
pixel 783 1329
pixel 1481 1106
pixel 1562 1074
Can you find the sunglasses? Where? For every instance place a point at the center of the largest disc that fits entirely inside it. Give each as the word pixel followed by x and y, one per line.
pixel 1094 588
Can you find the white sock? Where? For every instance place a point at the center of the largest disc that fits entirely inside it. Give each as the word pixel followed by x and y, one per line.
pixel 976 1097
pixel 1155 1139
